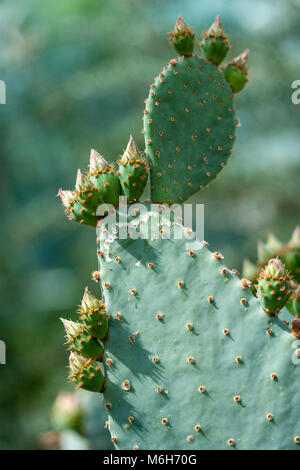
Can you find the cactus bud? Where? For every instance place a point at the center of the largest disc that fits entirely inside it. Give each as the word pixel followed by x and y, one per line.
pixel 66 412
pixel 274 286
pixel 295 239
pixel 80 340
pixel 182 38
pixel 75 210
pixel 82 182
pixel 291 255
pixel 86 373
pixel 275 268
pixel 249 270
pixel 104 180
pixel 235 72
pixel 97 162
pixel 132 172
pixel 131 152
pixel 66 197
pixel 94 315
pixel 215 43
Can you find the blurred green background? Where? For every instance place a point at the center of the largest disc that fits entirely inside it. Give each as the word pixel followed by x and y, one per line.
pixel 77 73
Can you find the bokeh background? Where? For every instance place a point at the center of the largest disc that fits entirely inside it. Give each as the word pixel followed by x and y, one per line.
pixel 77 73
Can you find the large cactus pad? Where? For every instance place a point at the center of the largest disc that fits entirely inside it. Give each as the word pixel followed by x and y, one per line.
pixel 189 125
pixel 192 361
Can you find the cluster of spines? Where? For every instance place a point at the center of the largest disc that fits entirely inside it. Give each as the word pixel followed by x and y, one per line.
pixel 83 339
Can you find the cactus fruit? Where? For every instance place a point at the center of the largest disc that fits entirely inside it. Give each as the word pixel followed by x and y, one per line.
pixel 215 43
pixel 132 172
pixel 80 340
pixel 236 72
pixel 74 209
pixel 86 373
pixel 94 315
pixel 289 254
pixel 182 38
pixel 191 361
pixel 105 181
pixel 274 287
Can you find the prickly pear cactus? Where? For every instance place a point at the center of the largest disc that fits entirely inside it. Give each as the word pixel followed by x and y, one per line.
pixel 185 356
pixel 189 126
pixel 206 370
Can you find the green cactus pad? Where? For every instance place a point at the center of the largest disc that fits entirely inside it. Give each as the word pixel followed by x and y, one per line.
pixel 189 125
pixel 192 361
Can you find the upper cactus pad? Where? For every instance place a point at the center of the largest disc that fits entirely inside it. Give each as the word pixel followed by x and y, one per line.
pixel 189 125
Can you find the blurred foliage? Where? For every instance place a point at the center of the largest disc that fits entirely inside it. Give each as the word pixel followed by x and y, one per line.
pixel 77 73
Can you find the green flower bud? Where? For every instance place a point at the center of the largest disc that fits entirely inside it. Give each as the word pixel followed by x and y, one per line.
pixel 131 153
pixel 235 72
pixel 215 43
pixel 94 315
pixel 182 38
pixel 275 268
pixel 97 162
pixel 86 373
pixel 81 341
pixel 66 412
pixel 66 197
pixel 274 287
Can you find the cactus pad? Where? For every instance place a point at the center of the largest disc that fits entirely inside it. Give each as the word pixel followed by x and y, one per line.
pixel 191 361
pixel 189 125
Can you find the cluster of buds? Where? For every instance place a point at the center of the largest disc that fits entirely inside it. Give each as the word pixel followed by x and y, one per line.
pixel 84 342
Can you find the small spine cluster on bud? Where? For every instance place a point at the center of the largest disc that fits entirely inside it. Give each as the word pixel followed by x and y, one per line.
pixel 274 286
pixel 215 43
pixel 182 38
